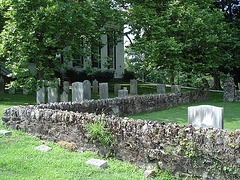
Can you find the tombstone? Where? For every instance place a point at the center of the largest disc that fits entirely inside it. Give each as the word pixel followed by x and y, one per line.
pixel 176 88
pixel 97 163
pixel 64 97
pixel 52 94
pixel 103 90
pixel 95 86
pixel 205 116
pixel 77 92
pixel 125 88
pixel 12 90
pixel 229 91
pixel 2 85
pixel 86 89
pixel 116 88
pixel 41 96
pixel 5 133
pixel 25 91
pixel 161 88
pixel 122 93
pixel 133 86
pixel 66 86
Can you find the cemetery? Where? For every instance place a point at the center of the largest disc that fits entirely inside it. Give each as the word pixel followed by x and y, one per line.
pixel 202 149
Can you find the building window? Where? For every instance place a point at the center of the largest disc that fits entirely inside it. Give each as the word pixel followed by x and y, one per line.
pixel 111 52
pixel 96 56
pixel 78 61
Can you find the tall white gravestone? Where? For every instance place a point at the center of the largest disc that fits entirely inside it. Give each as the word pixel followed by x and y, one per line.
pixel 86 89
pixel 95 86
pixel 52 94
pixel 41 93
pixel 205 116
pixel 103 90
pixel 133 86
pixel 77 91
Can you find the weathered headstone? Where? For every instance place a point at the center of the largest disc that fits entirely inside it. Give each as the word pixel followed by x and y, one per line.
pixel 97 163
pixel 2 85
pixel 205 116
pixel 133 86
pixel 41 96
pixel 64 97
pixel 122 93
pixel 116 88
pixel 25 91
pixel 125 88
pixel 52 94
pixel 66 86
pixel 5 133
pixel 86 89
pixel 103 90
pixel 229 91
pixel 176 88
pixel 12 90
pixel 95 86
pixel 43 148
pixel 77 91
pixel 161 88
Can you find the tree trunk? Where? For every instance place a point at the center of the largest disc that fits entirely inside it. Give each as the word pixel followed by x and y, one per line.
pixel 217 84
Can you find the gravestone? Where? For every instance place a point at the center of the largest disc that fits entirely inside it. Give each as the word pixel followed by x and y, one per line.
pixel 41 96
pixel 95 86
pixel 25 91
pixel 122 93
pixel 97 163
pixel 64 97
pixel 125 88
pixel 205 116
pixel 77 91
pixel 2 85
pixel 116 88
pixel 176 89
pixel 5 133
pixel 43 148
pixel 52 94
pixel 229 91
pixel 66 86
pixel 133 86
pixel 103 90
pixel 12 90
pixel 161 88
pixel 86 89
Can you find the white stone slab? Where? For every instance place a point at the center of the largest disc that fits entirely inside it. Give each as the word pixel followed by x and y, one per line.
pixel 43 148
pixel 5 133
pixel 97 163
pixel 205 116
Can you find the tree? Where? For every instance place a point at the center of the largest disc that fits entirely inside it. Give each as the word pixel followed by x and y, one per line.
pixel 188 36
pixel 37 31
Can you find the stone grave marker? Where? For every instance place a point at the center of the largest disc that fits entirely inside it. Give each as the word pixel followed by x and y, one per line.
pixel 97 163
pixel 25 91
pixel 66 86
pixel 103 90
pixel 122 93
pixel 5 133
pixel 229 91
pixel 125 88
pixel 52 94
pixel 95 86
pixel 161 88
pixel 43 148
pixel 86 90
pixel 116 88
pixel 2 85
pixel 77 91
pixel 41 96
pixel 205 116
pixel 176 89
pixel 133 86
pixel 12 90
pixel 64 97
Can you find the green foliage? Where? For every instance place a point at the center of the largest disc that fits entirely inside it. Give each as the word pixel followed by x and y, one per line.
pixel 98 131
pixel 103 75
pixel 128 75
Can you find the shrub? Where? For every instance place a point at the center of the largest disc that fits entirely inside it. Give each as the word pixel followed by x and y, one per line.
pixel 103 75
pixel 75 75
pixel 128 75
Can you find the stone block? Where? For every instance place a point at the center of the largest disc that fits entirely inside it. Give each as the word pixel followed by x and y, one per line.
pixel 86 90
pixel 5 133
pixel 133 87
pixel 77 91
pixel 41 96
pixel 229 91
pixel 103 90
pixel 52 94
pixel 43 148
pixel 176 89
pixel 205 116
pixel 97 163
pixel 64 97
pixel 161 88
pixel 122 93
